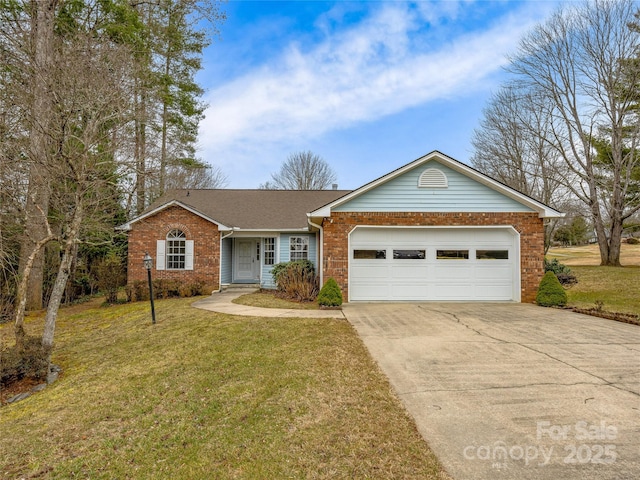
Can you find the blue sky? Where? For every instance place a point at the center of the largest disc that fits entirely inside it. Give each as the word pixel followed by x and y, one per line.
pixel 367 85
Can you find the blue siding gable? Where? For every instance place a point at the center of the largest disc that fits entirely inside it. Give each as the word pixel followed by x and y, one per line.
pixel 402 194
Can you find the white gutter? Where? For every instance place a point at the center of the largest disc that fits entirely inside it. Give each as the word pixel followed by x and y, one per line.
pixel 270 230
pixel 222 237
pixel 320 249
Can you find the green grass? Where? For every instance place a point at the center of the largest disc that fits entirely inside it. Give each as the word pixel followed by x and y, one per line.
pixel 269 300
pixel 617 287
pixel 590 255
pixel 205 395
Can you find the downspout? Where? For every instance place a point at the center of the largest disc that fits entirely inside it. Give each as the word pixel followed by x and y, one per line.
pixel 220 266
pixel 320 249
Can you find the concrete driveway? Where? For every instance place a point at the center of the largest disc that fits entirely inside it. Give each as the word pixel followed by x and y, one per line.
pixel 513 391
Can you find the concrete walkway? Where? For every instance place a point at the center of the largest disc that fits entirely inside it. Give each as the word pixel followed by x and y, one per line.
pixel 221 302
pixel 510 391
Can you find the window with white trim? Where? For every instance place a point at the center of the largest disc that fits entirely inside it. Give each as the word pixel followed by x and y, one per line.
pixel 298 248
pixel 269 251
pixel 176 250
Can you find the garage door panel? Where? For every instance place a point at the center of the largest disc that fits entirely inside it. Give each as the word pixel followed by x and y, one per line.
pixel 493 271
pixel 401 272
pixel 446 235
pixel 363 291
pixel 490 277
pixel 370 271
pixel 494 292
pixel 452 270
pixel 452 291
pixel 409 291
pixel 376 236
pixel 488 236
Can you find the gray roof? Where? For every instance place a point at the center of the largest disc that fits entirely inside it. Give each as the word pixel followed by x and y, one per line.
pixel 250 209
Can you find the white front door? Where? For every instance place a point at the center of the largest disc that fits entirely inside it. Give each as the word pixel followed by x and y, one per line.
pixel 247 263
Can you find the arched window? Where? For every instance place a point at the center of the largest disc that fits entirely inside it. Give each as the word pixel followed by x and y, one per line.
pixel 176 250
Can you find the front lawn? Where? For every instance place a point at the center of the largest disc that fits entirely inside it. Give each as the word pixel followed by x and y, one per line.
pixel 206 395
pixel 616 287
pixel 268 299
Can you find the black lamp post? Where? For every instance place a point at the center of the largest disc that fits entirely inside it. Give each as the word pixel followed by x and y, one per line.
pixel 148 264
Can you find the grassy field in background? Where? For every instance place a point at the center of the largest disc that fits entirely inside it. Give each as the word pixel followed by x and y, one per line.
pixel 206 395
pixel 590 255
pixel 617 287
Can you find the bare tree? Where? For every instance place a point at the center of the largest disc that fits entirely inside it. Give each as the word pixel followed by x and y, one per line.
pixel 28 41
pixel 88 90
pixel 14 175
pixel 575 65
pixel 36 35
pixel 510 146
pixel 199 176
pixel 302 171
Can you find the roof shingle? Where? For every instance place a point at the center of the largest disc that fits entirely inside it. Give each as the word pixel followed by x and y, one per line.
pixel 252 209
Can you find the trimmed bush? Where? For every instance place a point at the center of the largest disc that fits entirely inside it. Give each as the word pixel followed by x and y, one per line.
pixel 296 280
pixel 162 288
pixel 137 291
pixel 304 266
pixel 550 292
pixel 330 294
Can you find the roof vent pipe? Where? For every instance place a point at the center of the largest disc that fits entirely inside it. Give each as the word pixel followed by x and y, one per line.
pixel 334 186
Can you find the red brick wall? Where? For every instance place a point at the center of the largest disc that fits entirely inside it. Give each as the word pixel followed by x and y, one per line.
pixel 206 247
pixel 530 227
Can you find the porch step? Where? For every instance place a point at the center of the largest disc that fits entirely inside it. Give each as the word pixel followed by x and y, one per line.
pixel 240 286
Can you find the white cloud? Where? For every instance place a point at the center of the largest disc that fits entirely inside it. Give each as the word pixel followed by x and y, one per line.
pixel 358 73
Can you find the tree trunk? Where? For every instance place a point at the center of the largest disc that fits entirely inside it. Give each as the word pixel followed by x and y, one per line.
pixel 21 294
pixel 163 147
pixel 140 149
pixel 165 103
pixel 615 240
pixel 64 270
pixel 37 202
pixel 33 235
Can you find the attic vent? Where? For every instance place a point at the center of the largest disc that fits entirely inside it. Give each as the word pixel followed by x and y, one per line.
pixel 433 178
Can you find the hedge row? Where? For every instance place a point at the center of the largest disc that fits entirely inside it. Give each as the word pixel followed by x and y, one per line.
pixel 139 290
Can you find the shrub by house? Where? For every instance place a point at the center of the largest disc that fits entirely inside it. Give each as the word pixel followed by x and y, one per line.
pixel 330 294
pixel 550 292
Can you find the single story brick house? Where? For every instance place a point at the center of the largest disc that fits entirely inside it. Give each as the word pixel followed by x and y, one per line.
pixel 434 229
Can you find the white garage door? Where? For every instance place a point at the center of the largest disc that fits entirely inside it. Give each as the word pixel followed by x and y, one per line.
pixel 433 264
